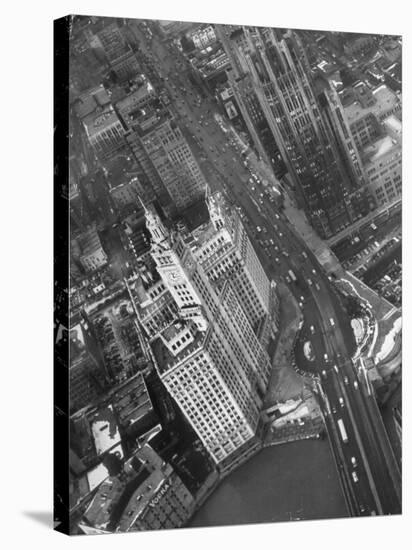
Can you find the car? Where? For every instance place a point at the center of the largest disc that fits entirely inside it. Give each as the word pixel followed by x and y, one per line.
pixel 314 271
pixel 362 508
pixel 355 477
pixel 324 374
pixel 346 380
pixel 309 282
pixel 277 216
pixel 334 410
pixel 355 385
pixel 335 367
pixel 317 286
pixel 332 322
pixel 353 460
pixel 258 229
pixel 302 298
pixel 312 329
pixel 341 402
pixel 325 356
pixel 304 254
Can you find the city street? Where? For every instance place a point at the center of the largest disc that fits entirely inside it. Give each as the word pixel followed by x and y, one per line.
pixel 369 476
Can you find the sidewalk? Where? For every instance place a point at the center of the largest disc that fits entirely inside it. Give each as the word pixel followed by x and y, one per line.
pixel 362 222
pixel 320 249
pixel 285 383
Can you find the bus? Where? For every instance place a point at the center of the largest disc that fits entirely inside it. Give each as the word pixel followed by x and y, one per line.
pixel 292 275
pixel 342 430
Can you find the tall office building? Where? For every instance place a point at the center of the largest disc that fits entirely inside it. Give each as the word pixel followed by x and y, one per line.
pixel 239 79
pixel 223 249
pixel 88 376
pixel 206 351
pixel 282 81
pixel 121 58
pixel 171 156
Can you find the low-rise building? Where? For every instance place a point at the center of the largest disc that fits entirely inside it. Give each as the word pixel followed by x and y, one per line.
pixel 92 255
pixel 133 406
pixel 147 494
pixel 104 131
pixel 90 101
pixel 365 109
pixel 203 36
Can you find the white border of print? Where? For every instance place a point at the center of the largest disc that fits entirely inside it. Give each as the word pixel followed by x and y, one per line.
pixel 26 199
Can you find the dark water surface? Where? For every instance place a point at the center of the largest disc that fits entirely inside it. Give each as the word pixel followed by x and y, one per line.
pixel 280 483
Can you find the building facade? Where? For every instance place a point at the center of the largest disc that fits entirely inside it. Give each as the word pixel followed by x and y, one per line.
pixel 283 83
pixel 383 165
pixel 223 249
pixel 206 351
pixel 173 160
pixel 92 255
pixel 234 42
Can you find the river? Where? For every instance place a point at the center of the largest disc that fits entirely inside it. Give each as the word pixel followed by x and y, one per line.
pixel 280 483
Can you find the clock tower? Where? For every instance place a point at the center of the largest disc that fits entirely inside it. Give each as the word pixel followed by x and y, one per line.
pixel 174 270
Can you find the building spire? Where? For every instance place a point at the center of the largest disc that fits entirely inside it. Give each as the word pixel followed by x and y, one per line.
pixel 142 204
pixel 214 206
pixel 154 224
pixel 207 192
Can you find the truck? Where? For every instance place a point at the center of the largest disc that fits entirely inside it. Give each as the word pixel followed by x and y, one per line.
pixel 292 275
pixel 342 430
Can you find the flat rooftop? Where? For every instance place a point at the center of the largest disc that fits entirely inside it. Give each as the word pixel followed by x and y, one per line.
pixel 96 122
pixel 379 148
pixel 165 360
pixel 131 400
pixel 393 124
pixel 89 101
pixel 104 429
pixel 145 90
pixel 386 100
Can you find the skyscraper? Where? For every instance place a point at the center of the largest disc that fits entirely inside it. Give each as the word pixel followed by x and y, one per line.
pixel 206 351
pixel 239 79
pixel 296 115
pixel 173 160
pixel 223 249
pixel 160 147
